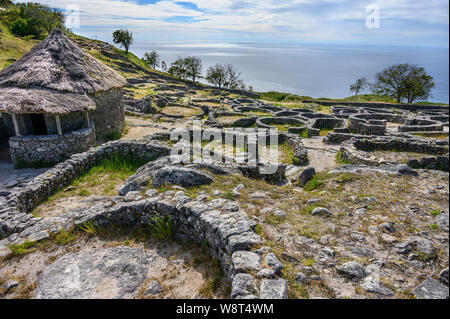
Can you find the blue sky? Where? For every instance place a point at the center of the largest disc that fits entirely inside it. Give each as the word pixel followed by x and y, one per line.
pixel 402 22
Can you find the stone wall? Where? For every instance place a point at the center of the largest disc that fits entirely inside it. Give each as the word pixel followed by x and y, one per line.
pixel 219 224
pixel 109 115
pixel 358 151
pixel 29 197
pixel 50 149
pixel 409 107
pixel 360 124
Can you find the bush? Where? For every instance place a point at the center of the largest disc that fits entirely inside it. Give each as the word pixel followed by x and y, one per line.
pixel 22 27
pixel 33 19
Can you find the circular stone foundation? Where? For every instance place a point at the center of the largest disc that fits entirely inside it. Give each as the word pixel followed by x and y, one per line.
pixel 181 111
pixel 283 124
pixel 231 119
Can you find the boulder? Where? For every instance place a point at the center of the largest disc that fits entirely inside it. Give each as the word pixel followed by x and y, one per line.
pixel 185 177
pixel 307 175
pixel 352 270
pixel 242 286
pixel 153 288
pixel 321 211
pixel 274 289
pixel 431 289
pixel 244 261
pixel 272 261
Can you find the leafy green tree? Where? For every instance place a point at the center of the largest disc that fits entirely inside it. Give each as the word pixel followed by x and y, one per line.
pixel 124 38
pixel 404 81
pixel 4 3
pixel 193 67
pixel 225 76
pixel 359 85
pixel 233 77
pixel 217 75
pixel 152 59
pixel 178 69
pixel 23 28
pixel 34 19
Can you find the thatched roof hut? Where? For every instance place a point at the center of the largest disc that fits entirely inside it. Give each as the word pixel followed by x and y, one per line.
pixel 56 100
pixel 55 77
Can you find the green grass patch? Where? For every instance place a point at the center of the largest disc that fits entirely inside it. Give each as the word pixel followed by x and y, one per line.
pixel 436 212
pixel 282 97
pixel 161 227
pixel 313 184
pixel 340 159
pixel 22 249
pixel 64 237
pixel 103 179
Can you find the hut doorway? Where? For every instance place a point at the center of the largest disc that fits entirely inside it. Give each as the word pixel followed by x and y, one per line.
pixel 39 126
pixel 4 137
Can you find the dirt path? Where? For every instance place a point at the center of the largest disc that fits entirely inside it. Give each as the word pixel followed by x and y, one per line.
pixel 141 127
pixel 321 156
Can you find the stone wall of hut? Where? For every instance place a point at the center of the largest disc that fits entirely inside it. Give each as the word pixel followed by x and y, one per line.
pixel 51 149
pixel 109 116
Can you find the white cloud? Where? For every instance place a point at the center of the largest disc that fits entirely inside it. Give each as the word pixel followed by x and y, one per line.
pixel 308 20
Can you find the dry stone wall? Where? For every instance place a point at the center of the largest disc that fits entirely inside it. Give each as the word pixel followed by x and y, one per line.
pixel 48 149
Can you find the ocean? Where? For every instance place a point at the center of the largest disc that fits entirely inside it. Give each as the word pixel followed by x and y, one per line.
pixel 312 70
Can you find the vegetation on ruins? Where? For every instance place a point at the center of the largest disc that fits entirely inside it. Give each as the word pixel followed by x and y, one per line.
pixel 124 38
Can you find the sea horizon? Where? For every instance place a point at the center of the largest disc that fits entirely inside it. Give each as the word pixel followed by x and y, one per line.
pixel 308 69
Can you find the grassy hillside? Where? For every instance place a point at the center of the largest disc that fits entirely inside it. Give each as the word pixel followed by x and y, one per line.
pixel 12 47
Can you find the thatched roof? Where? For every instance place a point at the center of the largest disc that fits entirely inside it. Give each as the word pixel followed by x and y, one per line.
pixel 56 77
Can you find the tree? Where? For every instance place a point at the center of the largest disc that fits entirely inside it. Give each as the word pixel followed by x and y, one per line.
pixel 164 66
pixel 124 38
pixel 152 59
pixel 359 85
pixel 404 81
pixel 34 19
pixel 233 77
pixel 418 85
pixel 178 69
pixel 5 3
pixel 217 75
pixel 193 67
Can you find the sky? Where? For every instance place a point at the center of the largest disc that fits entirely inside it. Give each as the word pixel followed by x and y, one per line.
pixel 421 23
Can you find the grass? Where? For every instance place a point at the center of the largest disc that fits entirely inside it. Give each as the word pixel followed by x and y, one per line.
pixel 435 212
pixel 64 237
pixel 340 159
pixel 435 135
pixel 141 92
pixel 161 227
pixel 103 180
pixel 11 47
pixel 22 249
pixel 324 132
pixel 177 110
pixel 214 282
pixel 282 97
pixel 313 184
